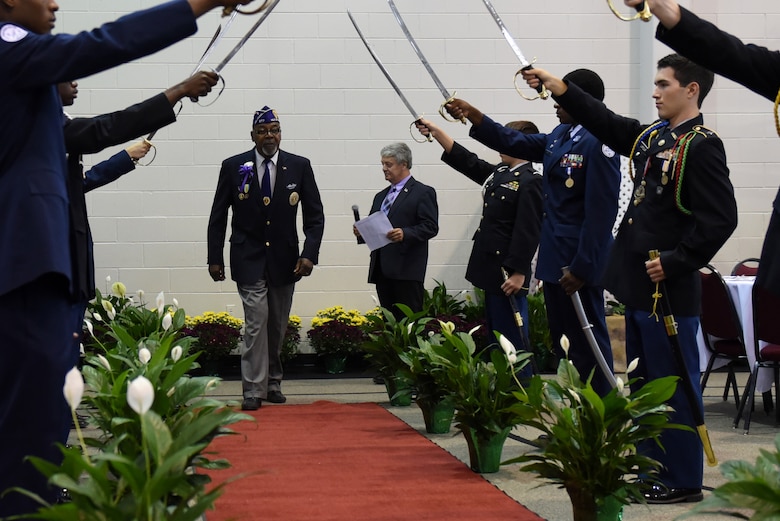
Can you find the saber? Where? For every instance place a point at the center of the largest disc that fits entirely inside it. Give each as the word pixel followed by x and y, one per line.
pixel 214 42
pixel 642 12
pixel 587 328
pixel 526 65
pixel 519 322
pixel 393 84
pixel 246 37
pixel 690 392
pixel 230 10
pixel 439 85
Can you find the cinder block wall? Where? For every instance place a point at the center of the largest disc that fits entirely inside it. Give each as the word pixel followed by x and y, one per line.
pixel 337 109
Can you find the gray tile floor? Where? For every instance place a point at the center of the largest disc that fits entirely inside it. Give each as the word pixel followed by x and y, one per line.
pixel 547 501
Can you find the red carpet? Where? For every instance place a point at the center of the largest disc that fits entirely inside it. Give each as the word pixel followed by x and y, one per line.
pixel 344 462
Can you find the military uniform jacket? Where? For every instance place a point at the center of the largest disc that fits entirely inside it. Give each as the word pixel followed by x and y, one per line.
pixel 34 215
pixel 90 135
pixel 264 240
pixel 416 212
pixel 687 240
pixel 508 232
pixel 577 221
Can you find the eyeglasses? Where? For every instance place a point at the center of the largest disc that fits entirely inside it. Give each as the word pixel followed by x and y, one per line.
pixel 268 131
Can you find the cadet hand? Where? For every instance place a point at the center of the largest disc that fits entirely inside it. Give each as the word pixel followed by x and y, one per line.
pixel 217 272
pixel 200 7
pixel 199 84
pixel 513 284
pixel 138 150
pixel 570 283
pixel 396 235
pixel 535 77
pixel 654 270
pixel 425 127
pixel 303 267
pixel 458 109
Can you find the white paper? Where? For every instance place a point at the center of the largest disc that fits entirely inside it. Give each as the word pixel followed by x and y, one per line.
pixel 374 230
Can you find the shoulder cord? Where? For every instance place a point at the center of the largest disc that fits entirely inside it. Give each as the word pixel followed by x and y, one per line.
pixel 649 133
pixel 680 159
pixel 777 120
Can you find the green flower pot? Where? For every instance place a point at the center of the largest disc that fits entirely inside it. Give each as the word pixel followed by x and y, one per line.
pixel 485 455
pixel 335 364
pixel 437 415
pixel 609 509
pixel 398 390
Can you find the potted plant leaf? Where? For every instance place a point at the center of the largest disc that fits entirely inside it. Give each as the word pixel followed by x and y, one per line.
pixel 482 386
pixel 590 448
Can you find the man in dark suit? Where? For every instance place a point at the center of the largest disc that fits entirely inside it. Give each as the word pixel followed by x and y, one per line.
pixel 264 187
pixel 581 182
pixel 398 268
pixel 36 284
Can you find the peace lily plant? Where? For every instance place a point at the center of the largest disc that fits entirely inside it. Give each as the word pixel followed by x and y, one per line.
pixel 153 424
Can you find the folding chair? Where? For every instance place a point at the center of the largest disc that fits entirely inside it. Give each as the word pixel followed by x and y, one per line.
pixel 747 266
pixel 721 328
pixel 766 327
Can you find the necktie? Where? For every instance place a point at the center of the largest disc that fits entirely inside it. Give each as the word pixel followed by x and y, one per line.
pixel 388 202
pixel 265 186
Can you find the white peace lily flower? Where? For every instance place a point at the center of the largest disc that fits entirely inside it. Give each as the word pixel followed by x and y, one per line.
pixel 176 353
pixel 175 303
pixel 160 302
pixel 447 327
pixel 409 328
pixel 109 308
pixel 633 365
pixel 144 355
pixel 512 358
pixel 171 391
pixel 108 278
pixel 140 294
pixel 140 395
pixel 81 349
pixel 474 329
pixel 565 344
pixel 620 384
pixel 88 323
pixel 97 317
pixel 212 384
pixel 167 321
pixel 507 345
pixel 73 388
pixel 430 334
pixel 119 289
pixel 104 362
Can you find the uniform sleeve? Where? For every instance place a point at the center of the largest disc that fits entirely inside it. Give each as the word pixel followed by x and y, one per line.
pixel 755 67
pixel 468 163
pixel 108 171
pixel 313 215
pixel 509 141
pixel 217 227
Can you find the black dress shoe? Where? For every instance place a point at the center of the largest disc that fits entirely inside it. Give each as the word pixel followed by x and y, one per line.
pixel 275 397
pixel 661 495
pixel 250 404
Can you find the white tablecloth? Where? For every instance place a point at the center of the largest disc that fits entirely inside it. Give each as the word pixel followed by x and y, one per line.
pixel 741 289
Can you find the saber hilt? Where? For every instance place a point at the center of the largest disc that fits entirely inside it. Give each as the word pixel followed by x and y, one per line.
pixel 227 11
pixel 693 400
pixel 642 12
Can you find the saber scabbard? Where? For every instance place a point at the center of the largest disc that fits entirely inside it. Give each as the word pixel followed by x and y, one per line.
pixel 690 393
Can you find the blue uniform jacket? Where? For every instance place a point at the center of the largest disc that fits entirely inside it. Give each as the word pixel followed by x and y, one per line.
pixel 34 221
pixel 264 240
pixel 577 221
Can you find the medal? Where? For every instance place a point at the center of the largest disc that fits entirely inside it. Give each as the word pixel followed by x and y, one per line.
pixel 639 193
pixel 569 181
pixel 294 198
pixel 241 197
pixel 266 200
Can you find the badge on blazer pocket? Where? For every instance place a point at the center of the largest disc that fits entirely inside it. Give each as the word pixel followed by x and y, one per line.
pixel 294 198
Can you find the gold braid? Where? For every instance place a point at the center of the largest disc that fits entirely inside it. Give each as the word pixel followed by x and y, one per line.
pixel 777 120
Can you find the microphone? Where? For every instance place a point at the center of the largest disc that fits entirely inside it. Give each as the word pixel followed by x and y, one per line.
pixel 357 218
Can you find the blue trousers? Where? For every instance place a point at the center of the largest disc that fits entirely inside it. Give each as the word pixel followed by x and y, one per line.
pixel 36 350
pixel 682 456
pixel 501 318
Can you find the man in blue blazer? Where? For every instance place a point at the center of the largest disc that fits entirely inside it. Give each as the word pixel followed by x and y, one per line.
pixel 581 181
pixel 264 187
pixel 36 278
pixel 398 268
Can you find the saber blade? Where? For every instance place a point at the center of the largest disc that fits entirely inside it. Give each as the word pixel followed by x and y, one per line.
pixel 418 52
pixel 246 37
pixel 508 37
pixel 382 68
pixel 220 32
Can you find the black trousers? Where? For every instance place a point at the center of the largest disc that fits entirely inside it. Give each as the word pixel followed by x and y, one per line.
pixel 392 292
